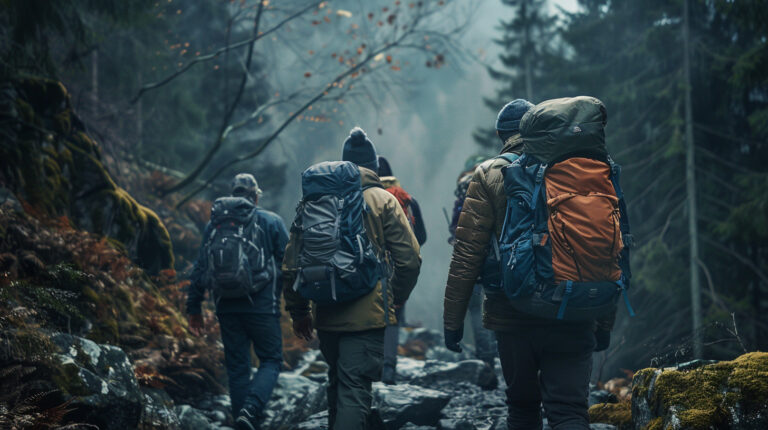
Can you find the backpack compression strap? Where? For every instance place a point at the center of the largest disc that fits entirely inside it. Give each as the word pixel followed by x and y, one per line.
pixel 626 236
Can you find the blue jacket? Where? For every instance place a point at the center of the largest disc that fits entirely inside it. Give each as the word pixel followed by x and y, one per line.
pixel 266 301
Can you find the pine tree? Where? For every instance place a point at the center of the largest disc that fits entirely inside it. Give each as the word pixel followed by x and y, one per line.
pixel 527 42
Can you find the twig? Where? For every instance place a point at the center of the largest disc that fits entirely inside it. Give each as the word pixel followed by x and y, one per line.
pixel 222 50
pixel 227 116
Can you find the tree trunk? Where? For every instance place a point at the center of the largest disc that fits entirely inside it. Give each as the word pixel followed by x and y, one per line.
pixel 95 80
pixel 139 124
pixel 527 51
pixel 690 180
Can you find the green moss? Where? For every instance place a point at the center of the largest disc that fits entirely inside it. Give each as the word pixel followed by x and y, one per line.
pixel 702 398
pixel 656 424
pixel 58 169
pixel 618 414
pixel 29 344
pixel 67 379
pixel 642 381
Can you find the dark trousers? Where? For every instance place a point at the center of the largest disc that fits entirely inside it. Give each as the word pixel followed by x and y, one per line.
pixel 549 365
pixel 392 340
pixel 485 342
pixel 238 333
pixel 355 361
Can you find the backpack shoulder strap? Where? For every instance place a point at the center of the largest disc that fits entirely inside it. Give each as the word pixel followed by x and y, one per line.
pixel 374 185
pixel 509 156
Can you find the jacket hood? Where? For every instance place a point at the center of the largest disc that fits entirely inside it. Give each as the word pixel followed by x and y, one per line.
pixel 389 181
pixel 369 178
pixel 513 144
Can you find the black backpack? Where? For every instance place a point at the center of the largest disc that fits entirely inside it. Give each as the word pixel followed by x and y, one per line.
pixel 239 261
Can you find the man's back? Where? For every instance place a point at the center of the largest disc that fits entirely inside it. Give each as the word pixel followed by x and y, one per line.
pixel 264 301
pixel 389 232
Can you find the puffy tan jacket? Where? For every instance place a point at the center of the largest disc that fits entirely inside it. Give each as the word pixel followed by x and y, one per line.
pixel 482 216
pixel 389 230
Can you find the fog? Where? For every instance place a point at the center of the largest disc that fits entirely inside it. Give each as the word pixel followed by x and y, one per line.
pixel 426 127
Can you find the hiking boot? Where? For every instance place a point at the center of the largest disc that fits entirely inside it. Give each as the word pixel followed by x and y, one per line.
pixel 249 419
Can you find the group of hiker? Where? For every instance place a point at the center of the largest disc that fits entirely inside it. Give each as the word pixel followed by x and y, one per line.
pixel 541 258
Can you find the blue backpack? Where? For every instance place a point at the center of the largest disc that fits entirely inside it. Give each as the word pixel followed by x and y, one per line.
pixel 530 281
pixel 336 260
pixel 490 277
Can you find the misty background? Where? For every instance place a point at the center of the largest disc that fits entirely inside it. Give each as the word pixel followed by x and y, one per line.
pixel 426 134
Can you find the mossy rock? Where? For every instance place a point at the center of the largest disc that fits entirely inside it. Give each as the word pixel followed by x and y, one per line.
pixel 56 168
pixel 617 414
pixel 725 395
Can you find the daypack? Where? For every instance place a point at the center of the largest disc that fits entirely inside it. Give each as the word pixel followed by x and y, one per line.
pixel 239 261
pixel 565 241
pixel 410 207
pixel 336 260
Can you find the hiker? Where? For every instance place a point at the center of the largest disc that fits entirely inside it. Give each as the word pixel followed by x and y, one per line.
pixel 413 214
pixel 347 279
pixel 243 246
pixel 485 342
pixel 557 282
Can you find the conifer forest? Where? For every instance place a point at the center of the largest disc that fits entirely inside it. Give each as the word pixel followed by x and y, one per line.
pixel 131 133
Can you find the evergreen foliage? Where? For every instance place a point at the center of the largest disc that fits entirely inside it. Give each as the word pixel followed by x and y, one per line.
pixel 629 55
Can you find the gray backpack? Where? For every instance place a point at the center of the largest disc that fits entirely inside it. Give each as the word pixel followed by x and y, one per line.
pixel 337 262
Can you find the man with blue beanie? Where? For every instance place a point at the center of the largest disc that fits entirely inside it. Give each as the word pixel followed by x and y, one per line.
pixel 545 362
pixel 508 119
pixel 359 149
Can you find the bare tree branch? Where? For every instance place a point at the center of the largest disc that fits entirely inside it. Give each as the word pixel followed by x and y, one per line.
pixel 742 259
pixel 227 116
pixel 411 30
pixel 223 50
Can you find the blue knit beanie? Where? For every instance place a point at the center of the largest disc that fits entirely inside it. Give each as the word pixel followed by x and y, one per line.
pixel 508 120
pixel 360 150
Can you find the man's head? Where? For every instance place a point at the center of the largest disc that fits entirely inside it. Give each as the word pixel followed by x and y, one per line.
pixel 360 150
pixel 508 120
pixel 245 185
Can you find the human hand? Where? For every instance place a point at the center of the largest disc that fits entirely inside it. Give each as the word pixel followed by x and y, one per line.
pixel 196 324
pixel 452 338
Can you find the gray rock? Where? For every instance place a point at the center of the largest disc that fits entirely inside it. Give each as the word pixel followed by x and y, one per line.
pixel 159 411
pixel 318 421
pixel 483 409
pixel 409 368
pixel 412 426
pixel 294 399
pixel 436 373
pixel 101 375
pixel 459 424
pixel 441 353
pixel 9 200
pixel 217 408
pixel 193 419
pixel 602 396
pixel 400 404
pixel 602 427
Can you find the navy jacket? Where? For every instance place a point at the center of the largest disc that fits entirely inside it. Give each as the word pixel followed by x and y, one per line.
pixel 266 301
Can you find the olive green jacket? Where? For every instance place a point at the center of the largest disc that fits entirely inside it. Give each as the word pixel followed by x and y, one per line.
pixel 389 230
